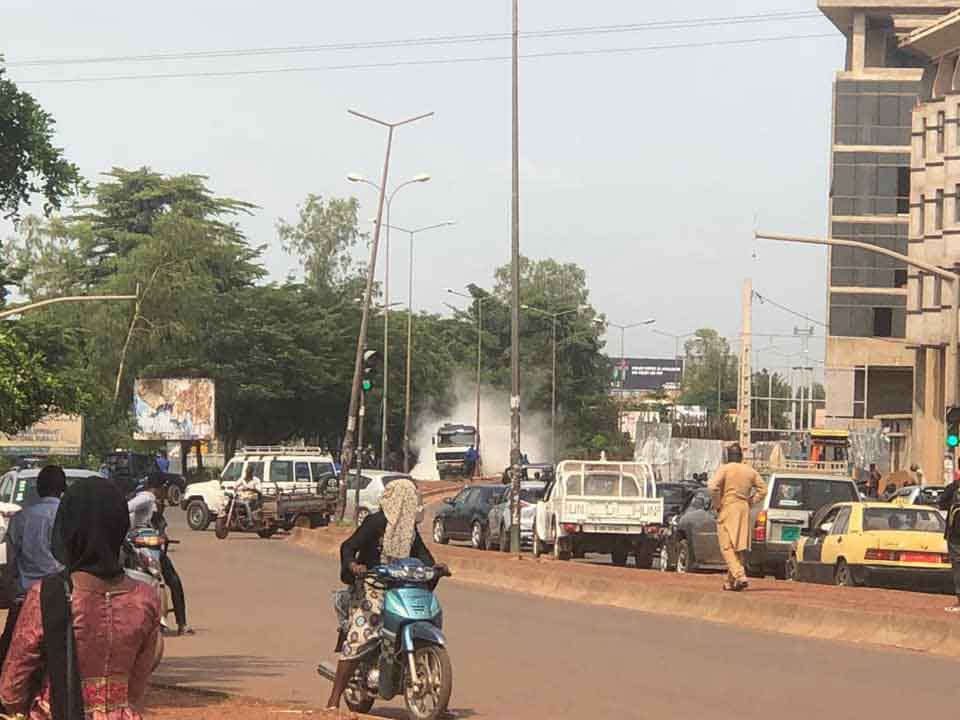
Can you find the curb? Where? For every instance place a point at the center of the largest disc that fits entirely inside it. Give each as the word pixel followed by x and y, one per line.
pixel 889 629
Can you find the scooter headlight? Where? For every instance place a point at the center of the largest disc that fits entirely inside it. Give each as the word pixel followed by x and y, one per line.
pixel 417 573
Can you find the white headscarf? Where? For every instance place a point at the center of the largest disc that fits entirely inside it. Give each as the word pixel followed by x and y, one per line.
pixel 399 504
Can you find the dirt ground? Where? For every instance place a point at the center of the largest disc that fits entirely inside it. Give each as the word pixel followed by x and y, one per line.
pixel 163 702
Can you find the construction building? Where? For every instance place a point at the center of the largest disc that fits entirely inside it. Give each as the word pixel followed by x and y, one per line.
pixel 877 363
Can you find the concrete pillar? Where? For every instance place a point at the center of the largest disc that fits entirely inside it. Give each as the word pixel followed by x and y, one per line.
pixel 858 43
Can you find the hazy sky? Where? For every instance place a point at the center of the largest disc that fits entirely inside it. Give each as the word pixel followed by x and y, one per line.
pixel 650 168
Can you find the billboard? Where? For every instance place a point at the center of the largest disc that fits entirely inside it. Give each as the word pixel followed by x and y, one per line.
pixel 647 374
pixel 174 409
pixel 54 435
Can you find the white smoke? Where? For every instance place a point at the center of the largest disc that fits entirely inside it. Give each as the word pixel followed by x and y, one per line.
pixel 494 430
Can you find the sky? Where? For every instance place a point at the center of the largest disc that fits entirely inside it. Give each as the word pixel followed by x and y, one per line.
pixel 649 168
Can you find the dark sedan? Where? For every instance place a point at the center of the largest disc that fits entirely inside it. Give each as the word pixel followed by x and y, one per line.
pixel 464 517
pixel 691 542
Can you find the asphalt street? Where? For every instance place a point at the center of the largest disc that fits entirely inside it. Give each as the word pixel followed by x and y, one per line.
pixel 262 613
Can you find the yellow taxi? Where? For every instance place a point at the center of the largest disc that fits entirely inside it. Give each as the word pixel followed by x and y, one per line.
pixel 874 543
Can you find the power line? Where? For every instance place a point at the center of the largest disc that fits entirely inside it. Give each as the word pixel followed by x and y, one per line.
pixel 437 40
pixel 409 63
pixel 803 316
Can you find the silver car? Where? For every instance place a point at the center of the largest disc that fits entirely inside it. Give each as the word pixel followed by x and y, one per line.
pixel 499 520
pixel 372 485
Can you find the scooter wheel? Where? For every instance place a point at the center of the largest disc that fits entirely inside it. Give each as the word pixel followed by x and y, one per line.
pixel 220 529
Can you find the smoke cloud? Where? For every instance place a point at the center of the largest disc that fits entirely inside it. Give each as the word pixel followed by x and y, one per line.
pixel 494 429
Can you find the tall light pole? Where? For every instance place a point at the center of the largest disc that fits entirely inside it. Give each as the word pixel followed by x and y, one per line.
pixel 677 337
pixel 553 375
pixel 479 301
pixel 355 177
pixel 623 331
pixel 347 451
pixel 515 469
pixel 406 408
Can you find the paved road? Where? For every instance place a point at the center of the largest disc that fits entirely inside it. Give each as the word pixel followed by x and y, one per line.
pixel 262 611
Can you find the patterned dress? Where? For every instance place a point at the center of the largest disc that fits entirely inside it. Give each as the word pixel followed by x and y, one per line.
pixel 117 632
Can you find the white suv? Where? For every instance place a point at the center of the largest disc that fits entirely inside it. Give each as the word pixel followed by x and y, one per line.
pixel 280 470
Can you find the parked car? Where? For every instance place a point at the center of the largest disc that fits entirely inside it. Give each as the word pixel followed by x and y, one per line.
pixel 691 541
pixel 465 516
pixel 281 470
pixel 874 543
pixel 675 496
pixel 916 495
pixel 126 468
pixel 500 519
pixel 600 506
pixel 372 485
pixel 792 498
pixel 18 488
pixel 174 486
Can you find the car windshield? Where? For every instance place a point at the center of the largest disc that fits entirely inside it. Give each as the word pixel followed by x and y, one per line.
pixel 530 495
pixel 601 485
pixel 810 493
pixel 456 439
pixel 904 519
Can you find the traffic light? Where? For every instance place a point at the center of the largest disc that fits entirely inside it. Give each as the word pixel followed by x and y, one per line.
pixel 953 427
pixel 370 359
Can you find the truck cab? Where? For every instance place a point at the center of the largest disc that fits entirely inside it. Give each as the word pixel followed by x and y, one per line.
pixel 600 507
pixel 450 448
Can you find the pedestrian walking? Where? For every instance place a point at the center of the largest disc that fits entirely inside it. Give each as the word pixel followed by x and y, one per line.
pixel 734 488
pixel 87 639
pixel 29 538
pixel 873 481
pixel 950 502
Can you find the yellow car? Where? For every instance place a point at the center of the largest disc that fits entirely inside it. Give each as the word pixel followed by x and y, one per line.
pixel 874 543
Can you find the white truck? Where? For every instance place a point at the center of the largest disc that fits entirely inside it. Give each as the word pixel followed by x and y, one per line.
pixel 450 449
pixel 281 470
pixel 600 507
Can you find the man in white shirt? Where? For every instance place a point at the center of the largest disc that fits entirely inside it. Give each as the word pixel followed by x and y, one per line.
pixel 250 483
pixel 143 505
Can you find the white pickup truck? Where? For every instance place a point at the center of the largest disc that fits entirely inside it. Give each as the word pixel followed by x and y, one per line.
pixel 600 507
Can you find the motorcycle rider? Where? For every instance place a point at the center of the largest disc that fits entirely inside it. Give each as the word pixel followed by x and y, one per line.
pixel 384 536
pixel 250 483
pixel 146 511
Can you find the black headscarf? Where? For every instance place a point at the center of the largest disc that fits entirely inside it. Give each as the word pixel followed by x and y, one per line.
pixel 91 524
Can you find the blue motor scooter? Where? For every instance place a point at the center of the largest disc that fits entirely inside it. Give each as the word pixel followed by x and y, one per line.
pixel 411 657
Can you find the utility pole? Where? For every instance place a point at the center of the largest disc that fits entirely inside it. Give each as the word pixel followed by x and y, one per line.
pixel 348 450
pixel 515 469
pixel 807 409
pixel 356 498
pixel 746 379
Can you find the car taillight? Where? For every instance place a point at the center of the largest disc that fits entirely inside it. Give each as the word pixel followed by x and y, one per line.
pixel 920 557
pixel 760 527
pixel 571 528
pixel 886 555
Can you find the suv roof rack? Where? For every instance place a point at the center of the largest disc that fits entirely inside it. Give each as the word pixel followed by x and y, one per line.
pixel 281 450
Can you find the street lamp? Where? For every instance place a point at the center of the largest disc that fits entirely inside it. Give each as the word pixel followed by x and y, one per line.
pixel 553 375
pixel 357 178
pixel 623 361
pixel 677 337
pixel 479 301
pixel 406 409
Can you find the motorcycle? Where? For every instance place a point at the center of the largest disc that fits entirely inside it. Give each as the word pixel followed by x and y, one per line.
pixel 262 519
pixel 141 553
pixel 411 657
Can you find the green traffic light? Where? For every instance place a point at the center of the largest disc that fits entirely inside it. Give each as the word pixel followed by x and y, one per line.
pixel 953 441
pixel 367 385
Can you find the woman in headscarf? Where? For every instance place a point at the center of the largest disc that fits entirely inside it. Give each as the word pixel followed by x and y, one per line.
pixel 387 535
pixel 87 640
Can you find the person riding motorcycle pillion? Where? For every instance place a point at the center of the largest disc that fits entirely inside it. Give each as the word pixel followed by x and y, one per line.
pixel 146 511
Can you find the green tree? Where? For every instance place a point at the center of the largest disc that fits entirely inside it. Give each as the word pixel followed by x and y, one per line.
pixel 710 373
pixel 31 164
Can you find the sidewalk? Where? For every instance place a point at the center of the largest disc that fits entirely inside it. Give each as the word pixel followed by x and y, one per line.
pixel 908 620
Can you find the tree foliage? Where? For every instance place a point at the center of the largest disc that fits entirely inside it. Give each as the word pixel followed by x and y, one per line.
pixel 710 372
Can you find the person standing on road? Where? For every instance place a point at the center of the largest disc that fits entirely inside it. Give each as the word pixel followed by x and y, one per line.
pixel 873 481
pixel 950 502
pixel 734 488
pixel 163 462
pixel 29 539
pixel 384 536
pixel 470 461
pixel 88 638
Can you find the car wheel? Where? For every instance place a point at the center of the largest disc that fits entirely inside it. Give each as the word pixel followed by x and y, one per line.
pixel 477 539
pixel 753 571
pixel 488 542
pixel 174 494
pixel 559 552
pixel 644 558
pixel 504 540
pixel 538 548
pixel 439 534
pixel 683 557
pixel 619 557
pixel 198 515
pixel 792 569
pixel 842 575
pixel 664 558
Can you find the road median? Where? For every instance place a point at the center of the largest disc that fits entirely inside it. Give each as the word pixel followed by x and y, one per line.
pixel 905 620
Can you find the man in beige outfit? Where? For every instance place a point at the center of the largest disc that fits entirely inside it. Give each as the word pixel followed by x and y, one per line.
pixel 734 488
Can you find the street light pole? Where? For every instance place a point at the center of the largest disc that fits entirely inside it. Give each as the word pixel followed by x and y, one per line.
pixel 951 277
pixel 385 404
pixel 515 469
pixel 347 450
pixel 623 359
pixel 409 363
